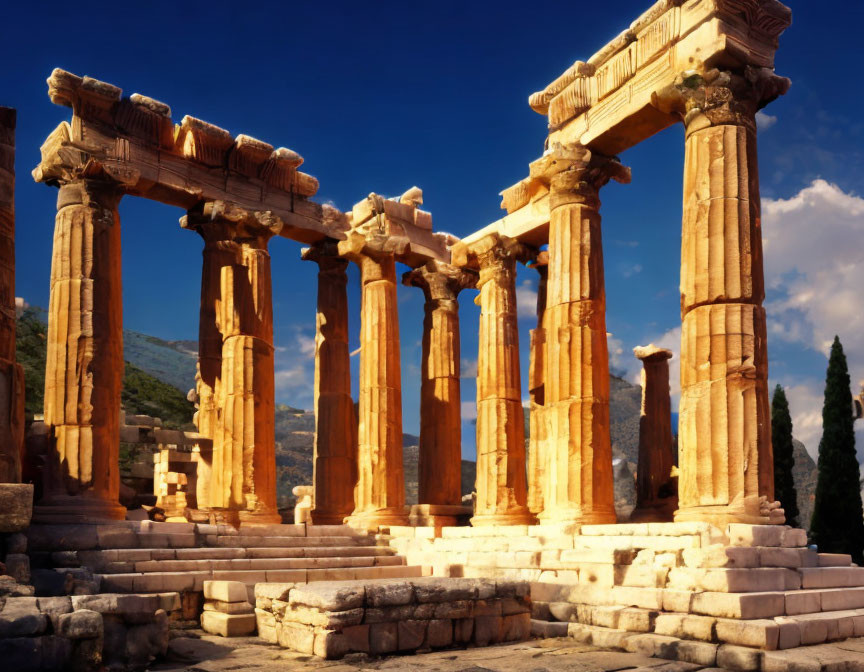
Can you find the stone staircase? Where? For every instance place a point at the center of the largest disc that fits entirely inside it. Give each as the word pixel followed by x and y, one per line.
pixel 151 557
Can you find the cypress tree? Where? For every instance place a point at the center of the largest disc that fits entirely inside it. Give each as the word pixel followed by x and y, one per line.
pixel 838 523
pixel 784 460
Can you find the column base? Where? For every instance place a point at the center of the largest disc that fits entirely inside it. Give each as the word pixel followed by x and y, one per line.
pixel 259 517
pixel 71 509
pixel 518 517
pixel 439 515
pixel 328 517
pixel 662 511
pixel 577 517
pixel 721 516
pixel 372 520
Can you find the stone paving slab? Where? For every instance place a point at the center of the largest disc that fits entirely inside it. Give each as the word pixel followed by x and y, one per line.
pixel 204 653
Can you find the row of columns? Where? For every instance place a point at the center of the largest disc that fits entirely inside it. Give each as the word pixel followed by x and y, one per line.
pixel 724 442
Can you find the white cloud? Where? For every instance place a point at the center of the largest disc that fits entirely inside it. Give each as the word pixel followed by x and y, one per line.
pixel 306 345
pixel 468 368
pixel 814 274
pixel 629 270
pixel 469 411
pixel 526 300
pixel 765 121
pixel 618 363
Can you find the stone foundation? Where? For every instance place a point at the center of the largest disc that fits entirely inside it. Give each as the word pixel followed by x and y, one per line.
pixel 335 618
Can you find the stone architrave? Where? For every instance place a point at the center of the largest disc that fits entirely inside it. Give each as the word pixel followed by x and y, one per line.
pixel 724 440
pixel 334 460
pixel 501 479
pixel 440 464
pixel 84 360
pixel 379 497
pixel 11 374
pixel 656 498
pixel 577 474
pixel 536 392
pixel 237 315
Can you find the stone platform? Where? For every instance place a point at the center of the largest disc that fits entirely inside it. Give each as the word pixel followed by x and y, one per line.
pixel 151 557
pixel 755 586
pixel 333 619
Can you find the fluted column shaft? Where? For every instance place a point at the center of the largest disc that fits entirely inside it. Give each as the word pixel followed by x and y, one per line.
pixel 725 458
pixel 236 383
pixel 536 392
pixel 578 485
pixel 84 361
pixel 655 491
pixel 334 459
pixel 11 374
pixel 440 463
pixel 501 480
pixel 379 497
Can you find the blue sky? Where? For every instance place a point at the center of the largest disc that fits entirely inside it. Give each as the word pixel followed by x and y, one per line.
pixel 382 96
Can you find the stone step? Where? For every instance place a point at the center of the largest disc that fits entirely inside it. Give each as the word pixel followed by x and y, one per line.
pixel 158 582
pixel 246 541
pixel 148 566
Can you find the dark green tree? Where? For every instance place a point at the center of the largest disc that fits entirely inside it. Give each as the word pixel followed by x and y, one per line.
pixel 838 522
pixel 784 461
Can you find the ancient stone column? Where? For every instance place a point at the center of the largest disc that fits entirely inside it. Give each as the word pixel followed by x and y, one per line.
pixel 656 489
pixel 379 498
pixel 536 392
pixel 84 361
pixel 11 374
pixel 237 299
pixel 577 479
pixel 501 481
pixel 725 459
pixel 440 465
pixel 334 458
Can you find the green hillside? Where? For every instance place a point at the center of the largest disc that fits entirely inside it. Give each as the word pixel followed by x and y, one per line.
pixel 143 394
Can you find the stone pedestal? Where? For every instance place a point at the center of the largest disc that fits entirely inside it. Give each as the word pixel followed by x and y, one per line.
pixel 725 458
pixel 84 371
pixel 501 481
pixel 656 490
pixel 380 493
pixel 334 461
pixel 440 465
pixel 237 405
pixel 536 391
pixel 11 374
pixel 577 478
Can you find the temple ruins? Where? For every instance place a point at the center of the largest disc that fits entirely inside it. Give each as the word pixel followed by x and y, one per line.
pixel 705 559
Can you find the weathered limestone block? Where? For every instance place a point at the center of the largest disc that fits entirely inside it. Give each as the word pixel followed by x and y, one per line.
pixel 577 480
pixel 656 490
pixel 379 497
pixel 501 479
pixel 334 461
pixel 85 357
pixel 16 506
pixel 228 625
pixel 440 476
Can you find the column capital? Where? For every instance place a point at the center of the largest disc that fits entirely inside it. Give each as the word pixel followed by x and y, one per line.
pixel 720 97
pixel 440 281
pixel 575 173
pixel 651 353
pixel 221 221
pixel 371 244
pixel 326 255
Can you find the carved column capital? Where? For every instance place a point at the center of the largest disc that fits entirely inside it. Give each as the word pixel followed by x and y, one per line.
pixel 575 173
pixel 326 255
pixel 440 282
pixel 720 97
pixel 220 221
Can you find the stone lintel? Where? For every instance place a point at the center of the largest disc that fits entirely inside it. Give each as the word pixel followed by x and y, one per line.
pixel 135 142
pixel 606 102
